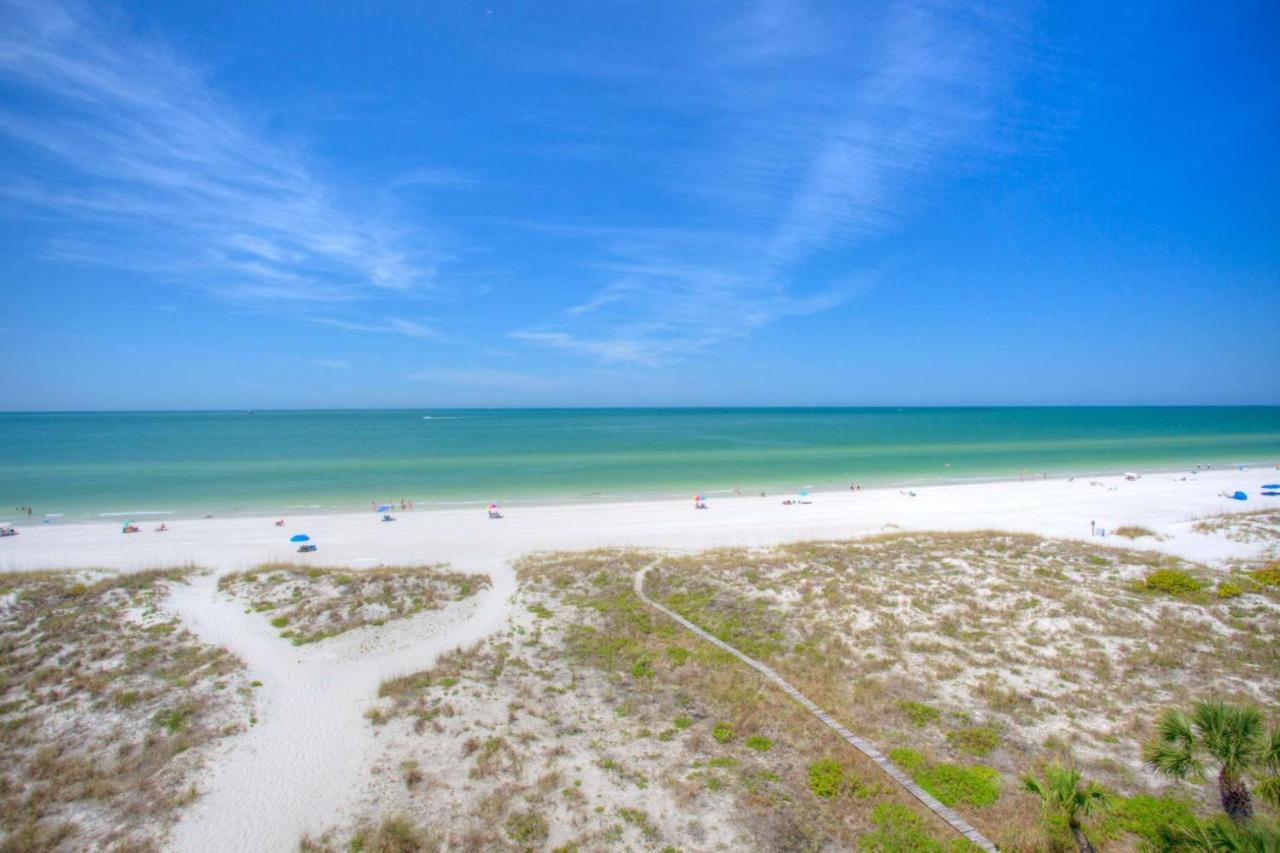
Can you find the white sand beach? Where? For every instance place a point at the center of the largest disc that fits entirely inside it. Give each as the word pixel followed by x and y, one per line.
pixel 293 771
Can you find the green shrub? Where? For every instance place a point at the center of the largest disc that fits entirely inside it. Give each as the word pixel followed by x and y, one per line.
pixel 683 722
pixel 678 655
pixel 826 777
pixel 643 667
pixel 900 830
pixel 723 732
pixel 280 621
pixel 975 740
pixel 919 713
pixel 975 785
pixel 1150 817
pixel 1172 581
pixel 1228 590
pixel 1268 575
pixel 759 743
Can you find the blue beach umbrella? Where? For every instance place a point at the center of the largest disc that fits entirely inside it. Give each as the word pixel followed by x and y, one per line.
pixel 1271 485
pixel 384 508
pixel 1240 496
pixel 300 537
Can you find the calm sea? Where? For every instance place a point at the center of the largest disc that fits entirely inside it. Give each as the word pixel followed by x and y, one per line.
pixel 99 464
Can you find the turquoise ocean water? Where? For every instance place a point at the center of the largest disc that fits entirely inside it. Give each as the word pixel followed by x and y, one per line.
pixel 101 464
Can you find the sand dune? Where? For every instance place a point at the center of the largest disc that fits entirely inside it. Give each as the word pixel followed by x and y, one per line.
pixel 296 769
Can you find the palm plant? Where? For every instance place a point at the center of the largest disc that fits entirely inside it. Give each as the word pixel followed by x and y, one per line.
pixel 1064 793
pixel 1228 737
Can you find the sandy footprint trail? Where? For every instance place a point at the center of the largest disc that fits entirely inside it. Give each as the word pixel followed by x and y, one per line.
pixel 297 769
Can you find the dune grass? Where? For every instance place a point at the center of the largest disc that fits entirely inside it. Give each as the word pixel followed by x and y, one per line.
pixel 309 604
pixel 106 709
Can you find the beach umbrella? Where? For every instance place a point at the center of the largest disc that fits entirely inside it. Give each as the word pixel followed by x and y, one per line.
pixel 1240 496
pixel 385 508
pixel 493 506
pixel 1271 485
pixel 300 537
pixel 804 493
pixel 698 497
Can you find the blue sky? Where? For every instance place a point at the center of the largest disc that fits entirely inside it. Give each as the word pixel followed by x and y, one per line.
pixel 209 205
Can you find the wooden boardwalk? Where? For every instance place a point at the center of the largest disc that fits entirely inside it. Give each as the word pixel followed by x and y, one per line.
pixel 951 816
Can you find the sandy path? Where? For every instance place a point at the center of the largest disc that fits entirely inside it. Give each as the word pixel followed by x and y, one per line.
pixel 296 769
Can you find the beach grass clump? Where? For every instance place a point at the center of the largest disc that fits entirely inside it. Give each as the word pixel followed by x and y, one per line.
pixel 393 834
pixel 919 713
pixel 1133 531
pixel 1260 526
pixel 974 740
pixel 107 707
pixel 1172 581
pixel 759 743
pixel 528 829
pixel 312 603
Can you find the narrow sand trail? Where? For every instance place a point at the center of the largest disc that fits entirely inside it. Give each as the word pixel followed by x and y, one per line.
pixel 294 770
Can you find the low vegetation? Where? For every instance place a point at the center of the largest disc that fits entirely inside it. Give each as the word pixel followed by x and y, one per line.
pixel 603 722
pixel 976 661
pixel 1015 650
pixel 310 604
pixel 107 709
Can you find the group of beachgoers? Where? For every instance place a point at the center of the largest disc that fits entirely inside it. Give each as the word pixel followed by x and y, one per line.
pixel 406 505
pixel 133 528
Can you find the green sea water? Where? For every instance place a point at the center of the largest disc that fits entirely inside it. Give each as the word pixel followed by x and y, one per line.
pixel 109 464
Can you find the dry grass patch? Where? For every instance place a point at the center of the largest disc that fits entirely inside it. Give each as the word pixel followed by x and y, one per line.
pixel 106 710
pixel 309 604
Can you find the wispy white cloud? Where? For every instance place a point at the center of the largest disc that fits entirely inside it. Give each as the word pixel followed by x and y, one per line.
pixel 330 363
pixel 828 130
pixel 386 326
pixel 152 149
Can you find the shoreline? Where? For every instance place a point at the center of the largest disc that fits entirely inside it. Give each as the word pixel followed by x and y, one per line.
pixel 466 537
pixel 822 488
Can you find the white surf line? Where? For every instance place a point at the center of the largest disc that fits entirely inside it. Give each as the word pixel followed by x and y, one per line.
pixel 951 816
pixel 299 768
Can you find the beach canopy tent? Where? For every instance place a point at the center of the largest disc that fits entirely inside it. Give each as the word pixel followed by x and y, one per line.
pixel 300 537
